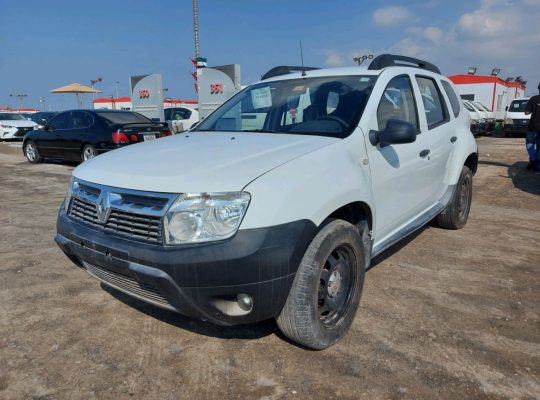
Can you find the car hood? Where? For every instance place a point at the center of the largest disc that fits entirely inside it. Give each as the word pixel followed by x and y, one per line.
pixel 197 161
pixel 18 123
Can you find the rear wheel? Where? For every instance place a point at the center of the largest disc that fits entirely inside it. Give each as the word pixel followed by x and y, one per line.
pixel 457 212
pixel 88 152
pixel 326 291
pixel 31 152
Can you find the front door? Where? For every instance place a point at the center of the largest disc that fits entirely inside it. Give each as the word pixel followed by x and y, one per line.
pixel 398 171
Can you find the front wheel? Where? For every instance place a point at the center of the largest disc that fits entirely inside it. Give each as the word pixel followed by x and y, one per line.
pixel 327 287
pixel 88 152
pixel 457 212
pixel 31 152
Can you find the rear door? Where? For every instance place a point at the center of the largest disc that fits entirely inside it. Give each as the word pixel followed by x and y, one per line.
pixel 398 171
pixel 435 120
pixel 76 134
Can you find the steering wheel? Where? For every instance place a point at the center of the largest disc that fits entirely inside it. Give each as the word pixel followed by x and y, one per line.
pixel 329 117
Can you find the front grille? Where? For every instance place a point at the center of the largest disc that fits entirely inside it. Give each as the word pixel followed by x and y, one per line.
pixel 129 285
pixel 521 123
pixel 136 226
pixel 131 213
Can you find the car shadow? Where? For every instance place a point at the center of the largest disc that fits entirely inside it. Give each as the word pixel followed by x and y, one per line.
pixel 522 178
pixel 251 331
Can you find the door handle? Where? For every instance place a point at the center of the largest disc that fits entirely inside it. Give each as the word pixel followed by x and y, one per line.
pixel 453 139
pixel 424 153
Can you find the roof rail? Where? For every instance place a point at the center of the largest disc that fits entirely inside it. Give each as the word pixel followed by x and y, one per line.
pixel 390 60
pixel 283 70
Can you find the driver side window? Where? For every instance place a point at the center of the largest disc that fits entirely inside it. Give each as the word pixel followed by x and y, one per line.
pixel 397 102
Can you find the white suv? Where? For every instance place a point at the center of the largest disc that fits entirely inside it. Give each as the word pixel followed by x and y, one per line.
pixel 281 220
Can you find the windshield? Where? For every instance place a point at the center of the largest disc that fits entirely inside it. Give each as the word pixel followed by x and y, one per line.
pixel 481 106
pixel 122 118
pixel 518 106
pixel 326 106
pixel 11 117
pixel 468 107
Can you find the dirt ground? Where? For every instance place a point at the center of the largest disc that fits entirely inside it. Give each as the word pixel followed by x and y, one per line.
pixel 448 314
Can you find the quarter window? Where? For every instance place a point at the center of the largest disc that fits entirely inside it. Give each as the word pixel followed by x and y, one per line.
pixel 398 103
pixel 434 106
pixel 452 96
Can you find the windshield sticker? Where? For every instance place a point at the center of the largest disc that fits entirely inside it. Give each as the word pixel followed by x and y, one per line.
pixel 299 88
pixel 261 98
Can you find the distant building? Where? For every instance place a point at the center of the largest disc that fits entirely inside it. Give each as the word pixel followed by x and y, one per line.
pixel 124 103
pixel 493 92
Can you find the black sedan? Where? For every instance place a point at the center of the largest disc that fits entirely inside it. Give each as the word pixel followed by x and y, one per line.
pixel 79 135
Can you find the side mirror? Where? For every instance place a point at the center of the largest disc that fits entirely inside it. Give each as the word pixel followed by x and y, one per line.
pixel 396 132
pixel 506 108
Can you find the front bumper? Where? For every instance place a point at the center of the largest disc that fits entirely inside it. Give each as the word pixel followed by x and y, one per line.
pixel 515 128
pixel 200 281
pixel 14 133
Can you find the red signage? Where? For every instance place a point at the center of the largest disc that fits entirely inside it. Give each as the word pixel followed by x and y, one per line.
pixel 144 94
pixel 216 88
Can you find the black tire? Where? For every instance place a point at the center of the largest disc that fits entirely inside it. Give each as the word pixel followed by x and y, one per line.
pixel 31 152
pixel 457 212
pixel 327 287
pixel 88 152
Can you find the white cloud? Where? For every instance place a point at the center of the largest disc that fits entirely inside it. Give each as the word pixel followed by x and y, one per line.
pixel 334 58
pixel 391 15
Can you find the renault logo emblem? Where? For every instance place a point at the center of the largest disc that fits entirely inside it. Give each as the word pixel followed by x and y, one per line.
pixel 103 206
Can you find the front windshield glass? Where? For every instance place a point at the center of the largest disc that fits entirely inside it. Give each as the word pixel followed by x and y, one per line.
pixel 324 106
pixel 11 117
pixel 518 106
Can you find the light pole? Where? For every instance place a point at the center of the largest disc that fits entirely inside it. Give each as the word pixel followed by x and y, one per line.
pixel 92 83
pixel 21 97
pixel 117 83
pixel 42 103
pixel 196 27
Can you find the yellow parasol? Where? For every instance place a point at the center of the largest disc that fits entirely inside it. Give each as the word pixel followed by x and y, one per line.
pixel 76 88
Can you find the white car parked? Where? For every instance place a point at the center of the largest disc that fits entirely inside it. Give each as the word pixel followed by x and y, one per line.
pixel 489 115
pixel 515 120
pixel 475 118
pixel 181 119
pixel 14 126
pixel 235 225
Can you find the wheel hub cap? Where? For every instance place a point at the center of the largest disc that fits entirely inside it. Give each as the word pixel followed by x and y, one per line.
pixel 334 283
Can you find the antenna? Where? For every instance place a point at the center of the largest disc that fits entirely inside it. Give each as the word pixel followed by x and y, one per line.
pixel 302 59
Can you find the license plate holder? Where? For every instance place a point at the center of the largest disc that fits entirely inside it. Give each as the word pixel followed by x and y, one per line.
pixel 149 136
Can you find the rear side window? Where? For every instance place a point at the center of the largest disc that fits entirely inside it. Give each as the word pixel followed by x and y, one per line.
pixel 398 103
pixel 434 106
pixel 452 96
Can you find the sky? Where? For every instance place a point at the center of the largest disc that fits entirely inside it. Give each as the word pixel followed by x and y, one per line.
pixel 47 44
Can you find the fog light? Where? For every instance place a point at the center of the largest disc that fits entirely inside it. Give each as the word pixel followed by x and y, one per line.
pixel 245 302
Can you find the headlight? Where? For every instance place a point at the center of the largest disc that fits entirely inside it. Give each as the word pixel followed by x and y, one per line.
pixel 508 121
pixel 205 217
pixel 69 193
pixel 7 126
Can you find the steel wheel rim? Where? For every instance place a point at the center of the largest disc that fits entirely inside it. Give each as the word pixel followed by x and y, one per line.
pixel 335 285
pixel 30 152
pixel 89 153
